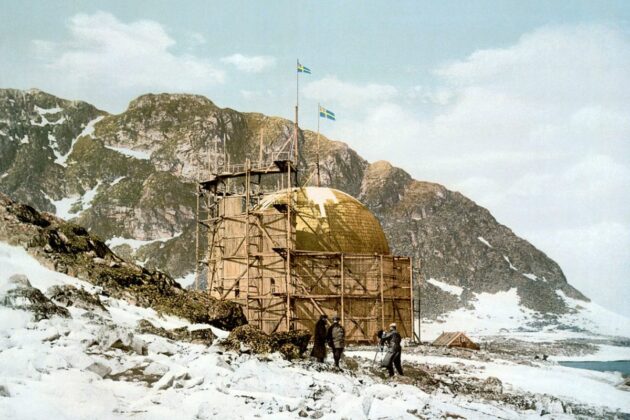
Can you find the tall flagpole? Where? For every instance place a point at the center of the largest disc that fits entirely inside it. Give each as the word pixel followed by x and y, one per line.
pixel 297 104
pixel 318 118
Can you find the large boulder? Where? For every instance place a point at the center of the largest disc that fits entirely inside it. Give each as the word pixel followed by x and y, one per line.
pixel 250 339
pixel 199 336
pixel 68 295
pixel 21 295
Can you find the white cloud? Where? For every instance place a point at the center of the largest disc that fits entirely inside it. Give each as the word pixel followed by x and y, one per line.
pixel 105 54
pixel 250 64
pixel 537 132
pixel 331 90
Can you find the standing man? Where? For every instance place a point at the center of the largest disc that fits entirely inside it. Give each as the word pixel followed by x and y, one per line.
pixel 336 338
pixel 319 339
pixel 392 338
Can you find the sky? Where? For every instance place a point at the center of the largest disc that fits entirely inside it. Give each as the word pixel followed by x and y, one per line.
pixel 524 107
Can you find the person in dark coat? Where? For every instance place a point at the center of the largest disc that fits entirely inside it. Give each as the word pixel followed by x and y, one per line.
pixel 392 338
pixel 319 339
pixel 336 338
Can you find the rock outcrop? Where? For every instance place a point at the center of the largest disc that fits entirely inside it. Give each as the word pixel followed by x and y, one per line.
pixel 70 249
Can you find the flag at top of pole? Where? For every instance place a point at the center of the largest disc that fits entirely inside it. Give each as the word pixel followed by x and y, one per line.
pixel 326 113
pixel 303 69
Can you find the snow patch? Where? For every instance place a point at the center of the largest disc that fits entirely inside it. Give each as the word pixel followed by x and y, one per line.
pixel 136 244
pixel 186 280
pixel 52 142
pixel 321 196
pixel 87 131
pixel 44 122
pixel 483 241
pixel 509 262
pixel 42 111
pixel 24 139
pixel 136 154
pixel 63 207
pixel 117 180
pixel 448 288
pixel 530 276
pixel 88 197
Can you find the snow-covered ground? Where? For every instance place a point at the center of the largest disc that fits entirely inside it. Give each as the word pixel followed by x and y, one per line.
pixel 47 371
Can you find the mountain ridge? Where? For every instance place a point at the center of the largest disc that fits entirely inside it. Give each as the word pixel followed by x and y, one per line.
pixel 133 178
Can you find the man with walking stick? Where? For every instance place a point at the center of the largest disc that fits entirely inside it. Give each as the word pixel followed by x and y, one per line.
pixel 392 358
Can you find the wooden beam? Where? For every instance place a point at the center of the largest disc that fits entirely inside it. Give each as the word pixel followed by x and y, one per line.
pixel 343 286
pixel 382 298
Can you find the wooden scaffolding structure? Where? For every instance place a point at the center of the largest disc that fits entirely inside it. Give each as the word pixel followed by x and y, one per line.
pixel 252 259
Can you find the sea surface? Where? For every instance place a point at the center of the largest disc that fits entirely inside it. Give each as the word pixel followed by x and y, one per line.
pixel 622 366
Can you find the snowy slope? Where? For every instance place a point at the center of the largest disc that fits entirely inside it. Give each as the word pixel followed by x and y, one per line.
pixel 47 371
pixel 502 313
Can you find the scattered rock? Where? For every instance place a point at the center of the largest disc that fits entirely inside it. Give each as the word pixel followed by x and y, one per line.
pixel 156 368
pixel 317 415
pixel 199 336
pixel 100 369
pixel 28 298
pixel 112 337
pixel 303 413
pixel 251 338
pixel 492 385
pixel 298 339
pixel 165 382
pixel 194 382
pixel 162 347
pixel 68 295
pixel 4 391
pixel 51 334
pixel 19 280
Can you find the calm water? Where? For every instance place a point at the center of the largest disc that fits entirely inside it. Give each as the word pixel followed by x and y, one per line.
pixel 622 366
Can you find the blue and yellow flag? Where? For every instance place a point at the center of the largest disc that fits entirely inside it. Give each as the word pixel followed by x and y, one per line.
pixel 326 113
pixel 302 69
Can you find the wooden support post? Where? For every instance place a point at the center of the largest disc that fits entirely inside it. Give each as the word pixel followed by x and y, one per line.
pixel 382 297
pixel 197 193
pixel 288 247
pixel 412 320
pixel 260 149
pixel 211 237
pixel 247 179
pixel 343 287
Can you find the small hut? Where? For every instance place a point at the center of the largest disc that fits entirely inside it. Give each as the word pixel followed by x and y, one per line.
pixel 455 339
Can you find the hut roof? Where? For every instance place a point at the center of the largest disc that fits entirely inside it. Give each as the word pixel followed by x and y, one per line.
pixel 447 338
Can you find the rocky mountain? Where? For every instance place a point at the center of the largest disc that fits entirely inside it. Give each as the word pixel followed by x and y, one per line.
pixel 130 179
